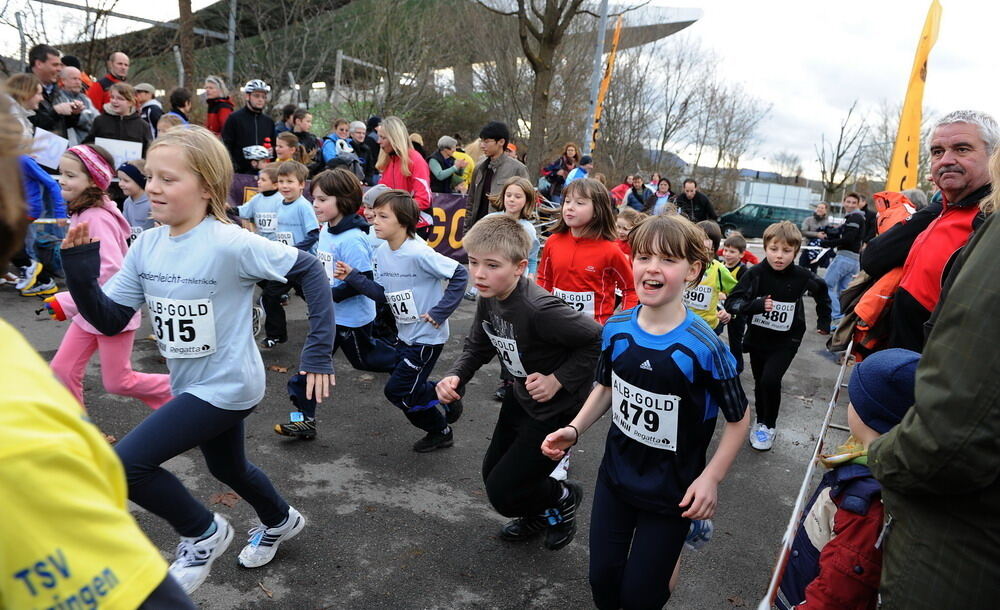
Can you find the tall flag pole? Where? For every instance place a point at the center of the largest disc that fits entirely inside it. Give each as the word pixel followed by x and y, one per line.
pixel 906 152
pixel 605 83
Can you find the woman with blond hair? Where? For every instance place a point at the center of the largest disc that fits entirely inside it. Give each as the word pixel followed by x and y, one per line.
pixel 26 91
pixel 403 168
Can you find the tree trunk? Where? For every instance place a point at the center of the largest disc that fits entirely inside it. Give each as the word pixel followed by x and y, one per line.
pixel 540 111
pixel 186 38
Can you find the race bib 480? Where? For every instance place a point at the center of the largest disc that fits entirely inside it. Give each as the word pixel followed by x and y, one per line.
pixel 183 328
pixel 648 418
pixel 779 318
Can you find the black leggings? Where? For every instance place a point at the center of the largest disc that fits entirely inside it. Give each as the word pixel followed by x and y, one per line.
pixel 769 366
pixel 632 552
pixel 515 471
pixel 184 423
pixel 275 326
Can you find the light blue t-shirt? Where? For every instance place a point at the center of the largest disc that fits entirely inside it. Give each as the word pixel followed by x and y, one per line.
pixel 575 174
pixel 535 244
pixel 297 218
pixel 262 210
pixel 199 291
pixel 352 247
pixel 414 278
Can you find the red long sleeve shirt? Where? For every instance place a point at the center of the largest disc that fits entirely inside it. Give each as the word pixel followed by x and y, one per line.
pixel 584 272
pixel 418 183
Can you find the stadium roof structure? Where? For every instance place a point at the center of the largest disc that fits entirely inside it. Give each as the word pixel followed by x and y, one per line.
pixel 339 23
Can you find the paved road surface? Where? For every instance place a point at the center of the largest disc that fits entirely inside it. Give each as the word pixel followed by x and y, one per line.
pixel 389 528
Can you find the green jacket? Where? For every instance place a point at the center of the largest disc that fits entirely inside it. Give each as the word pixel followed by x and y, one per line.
pixel 939 467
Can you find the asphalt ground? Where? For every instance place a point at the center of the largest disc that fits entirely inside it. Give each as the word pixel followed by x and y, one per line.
pixel 390 528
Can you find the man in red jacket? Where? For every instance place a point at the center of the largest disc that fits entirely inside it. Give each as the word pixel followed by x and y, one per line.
pixel 960 147
pixel 118 63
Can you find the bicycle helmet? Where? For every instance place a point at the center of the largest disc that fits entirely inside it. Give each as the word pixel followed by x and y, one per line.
pixel 256 153
pixel 256 85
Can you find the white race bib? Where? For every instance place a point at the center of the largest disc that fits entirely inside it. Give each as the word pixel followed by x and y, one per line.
pixel 648 418
pixel 285 237
pixel 507 350
pixel 780 318
pixel 580 301
pixel 404 308
pixel 267 222
pixel 327 259
pixel 183 328
pixel 134 234
pixel 699 297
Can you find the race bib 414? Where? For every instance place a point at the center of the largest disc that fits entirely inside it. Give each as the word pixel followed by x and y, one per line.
pixel 645 417
pixel 184 328
pixel 404 308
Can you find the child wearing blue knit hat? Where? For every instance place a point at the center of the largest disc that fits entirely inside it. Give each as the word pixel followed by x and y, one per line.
pixel 836 559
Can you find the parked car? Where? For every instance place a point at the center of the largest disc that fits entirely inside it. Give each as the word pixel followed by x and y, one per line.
pixel 751 219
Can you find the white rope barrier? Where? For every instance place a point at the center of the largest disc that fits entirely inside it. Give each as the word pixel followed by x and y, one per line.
pixel 793 523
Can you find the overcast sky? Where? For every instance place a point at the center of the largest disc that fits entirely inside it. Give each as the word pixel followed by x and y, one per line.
pixel 811 60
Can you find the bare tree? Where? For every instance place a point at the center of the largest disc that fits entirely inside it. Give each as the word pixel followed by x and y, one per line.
pixel 839 161
pixel 186 37
pixel 628 112
pixel 788 165
pixel 685 73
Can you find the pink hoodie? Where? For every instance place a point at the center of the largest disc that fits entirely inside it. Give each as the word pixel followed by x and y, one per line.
pixel 418 183
pixel 109 226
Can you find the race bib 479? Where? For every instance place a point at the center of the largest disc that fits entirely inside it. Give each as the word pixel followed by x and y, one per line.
pixel 645 417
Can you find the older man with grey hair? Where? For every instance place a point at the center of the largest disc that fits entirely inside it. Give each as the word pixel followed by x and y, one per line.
pixel 446 170
pixel 363 150
pixel 71 90
pixel 960 146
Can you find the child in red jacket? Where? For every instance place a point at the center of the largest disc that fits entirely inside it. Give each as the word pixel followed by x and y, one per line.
pixel 836 561
pixel 581 263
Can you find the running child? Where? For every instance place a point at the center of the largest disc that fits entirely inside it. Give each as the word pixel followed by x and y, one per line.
pixel 733 249
pixel 550 351
pixel 409 276
pixel 665 375
pixel 517 199
pixel 296 226
pixel 196 274
pixel 260 214
pixel 85 172
pixel 704 299
pixel 580 262
pixel 343 237
pixel 136 206
pixel 769 296
pixel 626 220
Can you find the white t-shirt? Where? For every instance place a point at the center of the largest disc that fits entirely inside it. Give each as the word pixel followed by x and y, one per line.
pixel 414 278
pixel 199 288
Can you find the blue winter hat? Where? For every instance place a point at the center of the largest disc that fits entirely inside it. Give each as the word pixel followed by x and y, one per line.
pixel 882 388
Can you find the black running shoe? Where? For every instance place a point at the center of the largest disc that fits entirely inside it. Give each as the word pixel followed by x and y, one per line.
pixel 305 429
pixel 270 342
pixel 524 528
pixel 452 411
pixel 562 519
pixel 434 440
pixel 501 393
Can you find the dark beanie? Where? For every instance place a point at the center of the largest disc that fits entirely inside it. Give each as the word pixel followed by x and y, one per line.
pixel 882 387
pixel 495 130
pixel 71 61
pixel 586 160
pixel 373 122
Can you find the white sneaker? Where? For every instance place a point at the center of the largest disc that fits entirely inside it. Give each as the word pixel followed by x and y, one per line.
pixel 264 540
pixel 8 278
pixel 762 437
pixel 28 276
pixel 195 557
pixel 562 468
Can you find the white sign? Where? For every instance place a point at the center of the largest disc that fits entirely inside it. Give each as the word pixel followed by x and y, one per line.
pixel 507 350
pixel 580 301
pixel 648 418
pixel 47 148
pixel 184 328
pixel 120 150
pixel 779 318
